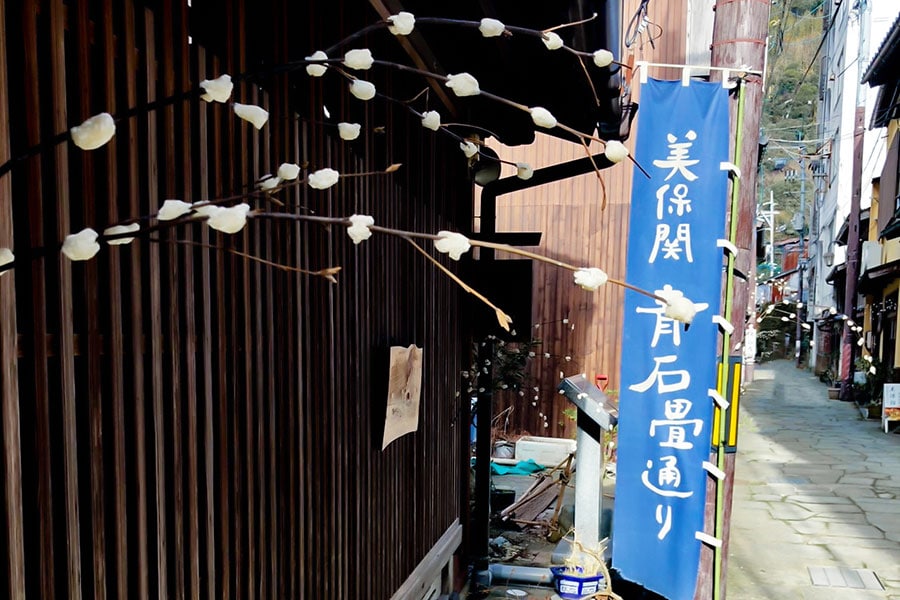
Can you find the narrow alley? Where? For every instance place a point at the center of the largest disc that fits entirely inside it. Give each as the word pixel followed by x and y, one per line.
pixel 816 495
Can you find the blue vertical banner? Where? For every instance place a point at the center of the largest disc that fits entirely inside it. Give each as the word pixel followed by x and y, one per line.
pixel 665 408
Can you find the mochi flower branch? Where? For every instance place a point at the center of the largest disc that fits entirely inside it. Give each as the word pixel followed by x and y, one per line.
pixel 326 273
pixel 218 89
pixel 470 146
pixel 464 84
pixel 82 245
pixel 402 23
pixel 452 243
pixel 456 244
pixel 359 228
pixel 503 319
pixel 255 115
pixel 99 129
pixel 678 307
pixel 591 278
pixel 94 132
pixel 493 28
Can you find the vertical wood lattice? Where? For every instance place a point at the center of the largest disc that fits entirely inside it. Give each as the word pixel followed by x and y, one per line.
pixel 178 421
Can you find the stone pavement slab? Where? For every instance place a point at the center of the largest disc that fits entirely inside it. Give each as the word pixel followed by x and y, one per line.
pixel 815 486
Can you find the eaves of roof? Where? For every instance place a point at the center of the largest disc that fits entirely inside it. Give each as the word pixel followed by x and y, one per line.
pixel 883 68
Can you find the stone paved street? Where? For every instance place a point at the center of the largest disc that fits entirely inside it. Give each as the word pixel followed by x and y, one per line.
pixel 816 486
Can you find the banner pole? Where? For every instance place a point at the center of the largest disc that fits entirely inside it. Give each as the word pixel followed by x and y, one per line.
pixel 726 347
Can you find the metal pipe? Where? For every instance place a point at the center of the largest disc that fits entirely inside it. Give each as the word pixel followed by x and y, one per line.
pixel 501 573
pixel 800 261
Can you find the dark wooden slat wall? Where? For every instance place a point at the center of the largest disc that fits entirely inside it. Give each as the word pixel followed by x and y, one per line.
pixel 178 421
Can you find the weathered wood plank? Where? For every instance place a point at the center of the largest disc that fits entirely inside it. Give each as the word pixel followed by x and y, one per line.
pixel 172 186
pixel 430 567
pixel 259 160
pixel 43 442
pixel 190 311
pixel 224 408
pixel 60 122
pixel 141 485
pixel 84 161
pixel 116 359
pixel 157 383
pixel 9 383
pixel 203 182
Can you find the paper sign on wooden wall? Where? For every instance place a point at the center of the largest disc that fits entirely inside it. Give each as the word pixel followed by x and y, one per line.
pixel 404 390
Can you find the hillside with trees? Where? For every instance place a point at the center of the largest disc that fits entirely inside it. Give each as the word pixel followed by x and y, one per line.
pixel 790 105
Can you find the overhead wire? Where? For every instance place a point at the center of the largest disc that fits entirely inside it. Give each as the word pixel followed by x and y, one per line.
pixel 638 24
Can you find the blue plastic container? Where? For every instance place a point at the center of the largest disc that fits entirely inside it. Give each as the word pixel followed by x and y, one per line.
pixel 572 586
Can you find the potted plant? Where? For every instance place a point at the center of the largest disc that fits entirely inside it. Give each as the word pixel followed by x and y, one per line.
pixel 868 388
pixel 831 378
pixel 584 574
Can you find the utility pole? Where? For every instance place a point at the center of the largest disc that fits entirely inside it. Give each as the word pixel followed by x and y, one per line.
pixel 740 32
pixel 859 128
pixel 769 217
pixel 801 262
pixel 772 227
pixel 822 261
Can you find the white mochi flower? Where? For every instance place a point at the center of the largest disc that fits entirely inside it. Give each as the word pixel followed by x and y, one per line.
pixel 229 220
pixel 524 170
pixel 269 183
pixel 218 89
pixel 172 209
pixel 360 59
pixel 452 243
pixel 590 279
pixel 491 27
pixel 204 208
pixel 359 228
pixel 288 171
pixel 120 229
pixel 463 84
pixel 94 132
pixel 364 90
pixel 402 23
pixel 678 307
pixel 542 117
pixel 603 58
pixel 82 245
pixel 317 70
pixel 6 257
pixel 552 40
pixel 468 148
pixel 255 115
pixel 323 179
pixel 431 119
pixel 348 131
pixel 615 151
pixel 873 370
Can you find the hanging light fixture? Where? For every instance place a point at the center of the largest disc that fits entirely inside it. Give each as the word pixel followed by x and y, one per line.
pixel 486 167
